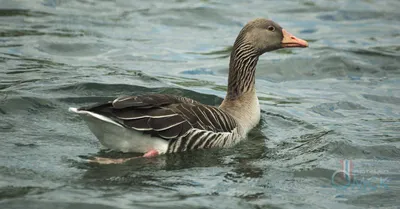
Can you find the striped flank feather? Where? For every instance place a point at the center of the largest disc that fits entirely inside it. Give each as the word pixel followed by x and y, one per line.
pixel 184 123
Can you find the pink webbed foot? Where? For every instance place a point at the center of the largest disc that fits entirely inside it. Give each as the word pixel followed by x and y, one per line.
pixel 103 160
pixel 151 153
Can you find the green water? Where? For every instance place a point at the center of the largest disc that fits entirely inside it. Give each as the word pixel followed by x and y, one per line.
pixel 338 99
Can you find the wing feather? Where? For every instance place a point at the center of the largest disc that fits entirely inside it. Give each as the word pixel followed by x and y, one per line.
pixel 166 116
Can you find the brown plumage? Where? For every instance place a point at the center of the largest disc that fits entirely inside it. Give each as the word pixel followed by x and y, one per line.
pixel 165 116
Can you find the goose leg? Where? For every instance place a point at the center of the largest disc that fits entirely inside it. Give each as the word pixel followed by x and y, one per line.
pixel 151 153
pixel 104 160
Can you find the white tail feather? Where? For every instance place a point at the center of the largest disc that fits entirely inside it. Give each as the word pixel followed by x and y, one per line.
pixel 117 137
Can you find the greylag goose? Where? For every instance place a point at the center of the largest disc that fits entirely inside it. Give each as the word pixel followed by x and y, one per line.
pixel 157 124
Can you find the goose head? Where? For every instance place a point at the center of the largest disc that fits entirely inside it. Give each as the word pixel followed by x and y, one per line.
pixel 266 35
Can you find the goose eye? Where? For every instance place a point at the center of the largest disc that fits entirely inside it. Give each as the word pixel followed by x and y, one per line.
pixel 271 28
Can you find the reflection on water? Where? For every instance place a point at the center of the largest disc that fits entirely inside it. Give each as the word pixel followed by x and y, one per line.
pixel 336 100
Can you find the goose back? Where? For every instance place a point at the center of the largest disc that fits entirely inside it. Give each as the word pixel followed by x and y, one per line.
pixel 184 123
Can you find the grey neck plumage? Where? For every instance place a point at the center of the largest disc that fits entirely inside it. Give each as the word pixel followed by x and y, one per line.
pixel 241 101
pixel 242 69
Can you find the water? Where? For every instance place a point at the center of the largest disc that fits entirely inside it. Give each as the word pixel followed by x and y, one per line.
pixel 336 100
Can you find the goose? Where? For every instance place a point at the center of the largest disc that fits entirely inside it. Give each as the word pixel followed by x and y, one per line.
pixel 158 124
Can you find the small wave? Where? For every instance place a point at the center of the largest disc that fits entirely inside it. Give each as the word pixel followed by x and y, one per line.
pixel 10 192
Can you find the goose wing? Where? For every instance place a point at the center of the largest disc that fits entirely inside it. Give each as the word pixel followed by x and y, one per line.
pixel 166 116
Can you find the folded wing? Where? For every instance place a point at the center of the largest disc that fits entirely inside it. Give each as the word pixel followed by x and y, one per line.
pixel 166 116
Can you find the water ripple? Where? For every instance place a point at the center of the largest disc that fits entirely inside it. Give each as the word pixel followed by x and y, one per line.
pixel 335 100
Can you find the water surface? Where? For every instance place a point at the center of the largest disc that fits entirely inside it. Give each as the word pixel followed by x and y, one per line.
pixel 336 100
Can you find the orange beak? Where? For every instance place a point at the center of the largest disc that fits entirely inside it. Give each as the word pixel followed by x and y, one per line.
pixel 290 40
